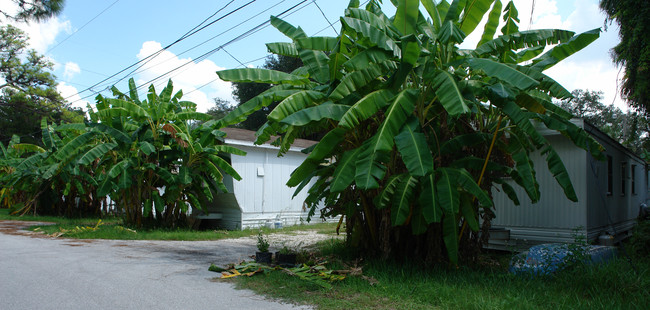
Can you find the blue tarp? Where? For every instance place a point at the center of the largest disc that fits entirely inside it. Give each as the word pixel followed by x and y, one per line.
pixel 547 258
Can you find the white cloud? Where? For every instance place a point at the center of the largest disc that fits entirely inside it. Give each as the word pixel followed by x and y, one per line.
pixel 596 75
pixel 70 69
pixel 72 94
pixel 188 78
pixel 41 34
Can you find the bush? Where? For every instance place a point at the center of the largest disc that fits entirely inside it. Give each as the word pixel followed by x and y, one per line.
pixel 640 241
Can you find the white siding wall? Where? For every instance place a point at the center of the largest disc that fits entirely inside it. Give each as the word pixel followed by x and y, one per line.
pixel 266 197
pixel 553 217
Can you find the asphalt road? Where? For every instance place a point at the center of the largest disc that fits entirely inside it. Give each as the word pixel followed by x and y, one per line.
pixel 38 272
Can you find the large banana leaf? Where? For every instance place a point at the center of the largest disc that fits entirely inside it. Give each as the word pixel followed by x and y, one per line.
pixel 191 116
pixel 428 201
pixel 313 114
pixel 111 132
pixel 26 148
pixel 225 166
pixel 96 152
pixel 253 75
pixel 502 72
pixel 325 44
pixel 450 33
pixel 406 16
pixel 283 48
pixel 317 64
pixel 46 132
pixel 239 114
pixel 287 29
pixel 450 236
pixel 468 212
pixel 492 23
pixel 386 196
pixel 511 18
pixel 559 172
pixel 473 14
pixel 294 103
pixel 466 181
pixel 448 93
pixel 366 107
pixel 133 109
pixel 432 9
pixel 355 80
pixel 447 190
pixel 526 171
pixel 369 167
pixel 565 50
pixel 327 145
pixel 394 118
pixel 401 206
pixel 72 147
pixel 523 39
pixel 373 34
pixel 415 153
pixel 370 18
pixel 365 59
pixel 345 170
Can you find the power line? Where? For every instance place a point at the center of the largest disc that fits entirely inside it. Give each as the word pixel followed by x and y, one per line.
pixel 155 54
pixel 209 53
pixel 82 27
pixel 212 38
pixel 328 21
pixel 186 35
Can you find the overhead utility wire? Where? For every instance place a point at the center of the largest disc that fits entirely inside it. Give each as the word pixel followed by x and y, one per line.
pixel 241 37
pixel 186 35
pixel 212 38
pixel 209 53
pixel 82 27
pixel 152 55
pixel 260 58
pixel 328 21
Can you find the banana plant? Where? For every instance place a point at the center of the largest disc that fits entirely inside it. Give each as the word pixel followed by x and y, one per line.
pixel 152 160
pixel 417 131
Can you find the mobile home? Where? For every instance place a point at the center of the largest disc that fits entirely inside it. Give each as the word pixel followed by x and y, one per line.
pixel 610 194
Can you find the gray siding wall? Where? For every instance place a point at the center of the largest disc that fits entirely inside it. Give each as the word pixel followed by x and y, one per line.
pixel 619 208
pixel 553 217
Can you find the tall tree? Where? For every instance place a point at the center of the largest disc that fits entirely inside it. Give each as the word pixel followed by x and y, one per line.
pixel 633 52
pixel 243 92
pixel 628 128
pixel 28 92
pixel 36 10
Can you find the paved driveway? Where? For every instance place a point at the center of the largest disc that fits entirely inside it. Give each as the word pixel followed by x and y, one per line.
pixel 38 272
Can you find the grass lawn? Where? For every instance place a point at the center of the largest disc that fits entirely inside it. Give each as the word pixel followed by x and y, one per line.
pixel 405 286
pixel 111 228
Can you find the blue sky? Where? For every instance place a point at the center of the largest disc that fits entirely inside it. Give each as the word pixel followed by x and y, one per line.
pixel 92 40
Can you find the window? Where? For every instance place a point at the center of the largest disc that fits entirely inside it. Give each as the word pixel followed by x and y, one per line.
pixel 633 177
pixel 623 177
pixel 610 176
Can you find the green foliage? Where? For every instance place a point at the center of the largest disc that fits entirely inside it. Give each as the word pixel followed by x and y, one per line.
pixel 36 10
pixel 628 128
pixel 28 90
pixel 149 156
pixel 392 163
pixel 633 52
pixel 262 243
pixel 640 241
